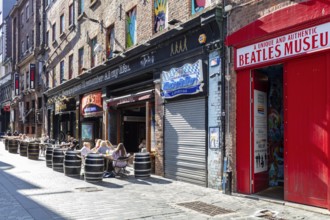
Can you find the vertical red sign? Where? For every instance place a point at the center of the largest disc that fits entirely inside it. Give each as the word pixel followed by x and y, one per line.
pixel 16 84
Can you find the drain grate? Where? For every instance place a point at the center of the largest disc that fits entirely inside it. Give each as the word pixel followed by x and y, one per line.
pixel 205 208
pixel 88 189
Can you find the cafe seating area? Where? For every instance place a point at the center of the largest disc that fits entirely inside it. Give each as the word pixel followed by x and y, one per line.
pixel 72 162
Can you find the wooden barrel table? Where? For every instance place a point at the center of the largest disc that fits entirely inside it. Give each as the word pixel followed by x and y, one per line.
pixel 33 151
pixel 58 158
pixel 72 163
pixel 12 146
pixel 94 165
pixel 6 143
pixel 49 156
pixel 23 146
pixel 142 165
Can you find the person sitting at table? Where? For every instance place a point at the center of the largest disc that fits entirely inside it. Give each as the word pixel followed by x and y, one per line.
pixel 112 148
pixel 118 153
pixel 103 149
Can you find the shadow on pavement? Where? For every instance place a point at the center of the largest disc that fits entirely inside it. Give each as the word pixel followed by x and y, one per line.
pixel 13 204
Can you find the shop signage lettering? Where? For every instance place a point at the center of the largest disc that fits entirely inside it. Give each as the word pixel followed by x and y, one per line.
pixel 179 46
pixel 91 104
pixel 147 59
pixel 301 42
pixel 187 79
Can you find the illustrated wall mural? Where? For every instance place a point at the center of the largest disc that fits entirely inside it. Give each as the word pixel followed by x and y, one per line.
pixel 131 28
pixel 199 5
pixel 275 130
pixel 160 7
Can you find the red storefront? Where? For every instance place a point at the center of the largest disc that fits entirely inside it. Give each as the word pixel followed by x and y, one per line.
pixel 282 63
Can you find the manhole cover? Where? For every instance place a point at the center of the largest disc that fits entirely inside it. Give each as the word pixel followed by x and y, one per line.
pixel 205 208
pixel 88 189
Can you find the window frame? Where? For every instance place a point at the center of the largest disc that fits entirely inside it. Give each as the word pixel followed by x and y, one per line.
pixel 80 60
pixel 70 73
pixel 71 15
pixel 54 32
pixel 62 66
pixel 62 24
pixel 81 7
pixel 109 49
pixel 93 54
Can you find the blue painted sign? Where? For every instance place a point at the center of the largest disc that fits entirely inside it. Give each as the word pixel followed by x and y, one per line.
pixel 185 80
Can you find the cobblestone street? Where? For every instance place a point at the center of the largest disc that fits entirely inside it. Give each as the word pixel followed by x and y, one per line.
pixel 30 190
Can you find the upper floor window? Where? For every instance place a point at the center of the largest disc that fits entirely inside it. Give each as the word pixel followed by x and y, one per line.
pixel 47 39
pixel 110 41
pixel 71 15
pixel 46 3
pixel 81 7
pixel 80 60
pixel 54 32
pixel 54 77
pixel 32 5
pixel 22 18
pixel 32 39
pixel 62 72
pixel 70 66
pixel 131 28
pixel 197 5
pixel 93 53
pixel 27 11
pixel 27 42
pixel 22 47
pixel 62 24
pixel 160 17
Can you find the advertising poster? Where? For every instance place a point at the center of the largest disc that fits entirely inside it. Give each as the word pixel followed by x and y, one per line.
pixel 260 132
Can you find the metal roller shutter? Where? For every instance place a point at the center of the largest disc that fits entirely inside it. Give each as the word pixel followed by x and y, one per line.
pixel 185 153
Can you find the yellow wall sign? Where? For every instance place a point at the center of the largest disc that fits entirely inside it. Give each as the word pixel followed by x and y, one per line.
pixel 202 38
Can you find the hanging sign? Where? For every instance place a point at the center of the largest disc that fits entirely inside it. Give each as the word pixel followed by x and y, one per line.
pixel 32 75
pixel 16 84
pixel 91 104
pixel 301 42
pixel 185 80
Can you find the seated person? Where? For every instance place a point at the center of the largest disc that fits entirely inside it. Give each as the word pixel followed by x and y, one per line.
pixel 117 154
pixel 142 146
pixel 112 148
pixel 103 149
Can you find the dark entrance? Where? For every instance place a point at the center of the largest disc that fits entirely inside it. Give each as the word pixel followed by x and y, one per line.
pixel 268 132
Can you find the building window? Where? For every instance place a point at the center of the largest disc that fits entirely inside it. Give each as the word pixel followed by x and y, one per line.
pixel 22 47
pixel 54 32
pixel 27 79
pixel 110 41
pixel 80 60
pixel 32 5
pixel 131 28
pixel 160 17
pixel 47 84
pixel 71 15
pixel 47 39
pixel 22 18
pixel 93 57
pixel 27 42
pixel 62 24
pixel 70 66
pixel 62 72
pixel 80 7
pixel 32 39
pixel 198 6
pixel 27 11
pixel 54 77
pixel 46 3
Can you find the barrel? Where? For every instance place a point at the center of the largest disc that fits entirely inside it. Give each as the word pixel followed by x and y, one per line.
pixel 13 146
pixel 142 165
pixel 6 144
pixel 94 165
pixel 33 151
pixel 23 148
pixel 72 163
pixel 58 158
pixel 49 156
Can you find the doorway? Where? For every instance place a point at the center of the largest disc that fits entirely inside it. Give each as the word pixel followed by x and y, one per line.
pixel 268 132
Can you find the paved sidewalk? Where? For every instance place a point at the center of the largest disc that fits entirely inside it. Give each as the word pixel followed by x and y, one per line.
pixel 30 190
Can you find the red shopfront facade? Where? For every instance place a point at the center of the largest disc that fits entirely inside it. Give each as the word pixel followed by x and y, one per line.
pixel 282 63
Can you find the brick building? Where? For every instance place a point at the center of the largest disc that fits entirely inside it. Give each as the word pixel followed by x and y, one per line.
pixel 277 78
pixel 106 66
pixel 27 100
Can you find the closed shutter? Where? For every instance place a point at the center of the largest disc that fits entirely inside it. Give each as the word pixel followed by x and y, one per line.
pixel 184 140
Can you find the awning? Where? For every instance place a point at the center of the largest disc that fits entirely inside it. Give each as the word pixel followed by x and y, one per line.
pixel 140 96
